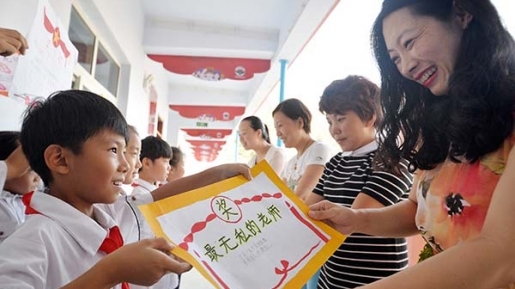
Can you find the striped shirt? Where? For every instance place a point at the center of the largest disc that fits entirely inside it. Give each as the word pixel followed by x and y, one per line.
pixel 362 259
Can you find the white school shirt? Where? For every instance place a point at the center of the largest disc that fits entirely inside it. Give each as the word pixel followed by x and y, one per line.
pixel 316 154
pixel 12 209
pixel 49 251
pixel 12 213
pixel 275 156
pixel 125 213
pixel 142 191
pixel 141 194
pixel 131 223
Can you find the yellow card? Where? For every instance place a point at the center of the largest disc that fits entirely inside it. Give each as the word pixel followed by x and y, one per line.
pixel 245 234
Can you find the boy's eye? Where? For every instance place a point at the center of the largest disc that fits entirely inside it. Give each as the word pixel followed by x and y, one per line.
pixel 114 150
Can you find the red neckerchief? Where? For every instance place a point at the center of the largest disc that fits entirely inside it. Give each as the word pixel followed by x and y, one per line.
pixel 112 242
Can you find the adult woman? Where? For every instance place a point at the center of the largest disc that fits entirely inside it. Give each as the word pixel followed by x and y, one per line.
pixel 292 121
pixel 176 165
pixel 254 136
pixel 351 179
pixel 448 77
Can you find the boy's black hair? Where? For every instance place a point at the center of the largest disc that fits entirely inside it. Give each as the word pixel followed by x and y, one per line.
pixel 9 141
pixel 153 148
pixel 66 118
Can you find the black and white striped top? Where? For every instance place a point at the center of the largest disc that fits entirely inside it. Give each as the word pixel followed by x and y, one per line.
pixel 362 259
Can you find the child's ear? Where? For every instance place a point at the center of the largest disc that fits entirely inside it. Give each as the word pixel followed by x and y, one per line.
pixel 146 162
pixel 55 159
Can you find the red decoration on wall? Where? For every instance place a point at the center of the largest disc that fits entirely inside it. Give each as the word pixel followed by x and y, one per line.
pixel 208 133
pixel 207 155
pixel 209 113
pixel 213 144
pixel 213 68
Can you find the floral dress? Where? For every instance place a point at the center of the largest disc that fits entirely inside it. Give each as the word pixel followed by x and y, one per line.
pixel 453 199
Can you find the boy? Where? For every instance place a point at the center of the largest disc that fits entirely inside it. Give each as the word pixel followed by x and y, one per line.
pixel 75 141
pixel 155 165
pixel 155 158
pixel 12 210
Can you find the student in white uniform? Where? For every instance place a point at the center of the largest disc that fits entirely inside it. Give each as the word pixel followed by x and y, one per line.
pixel 148 254
pixel 155 158
pixel 12 210
pixel 254 136
pixel 82 163
pixel 292 120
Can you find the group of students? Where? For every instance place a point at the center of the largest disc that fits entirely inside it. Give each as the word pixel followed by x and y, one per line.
pixel 83 165
pixel 441 124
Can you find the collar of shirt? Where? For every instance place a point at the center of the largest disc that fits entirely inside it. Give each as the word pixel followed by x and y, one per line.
pixel 144 184
pixel 366 149
pixel 88 233
pixel 9 197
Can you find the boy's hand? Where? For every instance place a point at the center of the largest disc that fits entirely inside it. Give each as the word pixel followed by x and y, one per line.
pixel 17 164
pixel 144 262
pixel 230 170
pixel 11 41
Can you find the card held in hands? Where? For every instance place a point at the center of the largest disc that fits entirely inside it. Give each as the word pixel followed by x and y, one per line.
pixel 245 234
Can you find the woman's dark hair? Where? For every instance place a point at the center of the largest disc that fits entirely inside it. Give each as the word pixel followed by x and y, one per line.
pixel 476 115
pixel 353 93
pixel 256 124
pixel 177 156
pixel 9 141
pixel 295 109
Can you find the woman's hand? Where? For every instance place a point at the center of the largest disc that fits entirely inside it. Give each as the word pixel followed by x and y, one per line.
pixel 340 218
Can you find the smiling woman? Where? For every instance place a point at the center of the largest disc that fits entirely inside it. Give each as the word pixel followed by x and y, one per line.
pixel 292 121
pixel 254 136
pixel 448 81
pixel 352 179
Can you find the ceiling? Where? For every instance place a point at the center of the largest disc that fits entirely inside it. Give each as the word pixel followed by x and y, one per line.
pixel 223 58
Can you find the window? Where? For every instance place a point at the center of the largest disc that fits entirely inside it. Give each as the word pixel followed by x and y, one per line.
pixel 83 39
pixel 98 69
pixel 107 71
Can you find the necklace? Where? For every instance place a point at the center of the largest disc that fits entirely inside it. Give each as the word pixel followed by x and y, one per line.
pixel 300 153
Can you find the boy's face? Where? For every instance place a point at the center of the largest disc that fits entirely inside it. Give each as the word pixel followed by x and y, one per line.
pixel 96 174
pixel 132 156
pixel 26 183
pixel 157 170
